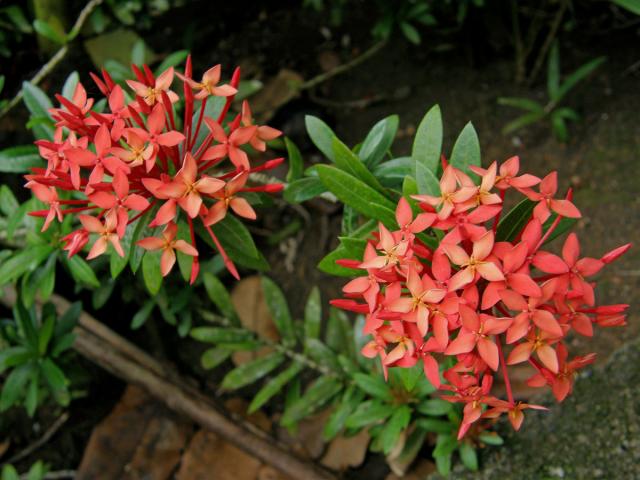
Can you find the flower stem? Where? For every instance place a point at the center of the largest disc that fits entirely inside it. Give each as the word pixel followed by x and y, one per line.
pixel 505 374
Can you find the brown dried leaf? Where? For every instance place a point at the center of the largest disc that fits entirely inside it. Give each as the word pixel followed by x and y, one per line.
pixel 138 439
pixel 308 441
pixel 345 452
pixel 422 469
pixel 208 457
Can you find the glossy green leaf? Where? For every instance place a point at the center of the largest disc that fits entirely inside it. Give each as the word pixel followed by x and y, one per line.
pixel 491 438
pixel 410 376
pixel 427 145
pixel 251 372
pixel 434 407
pixel 142 315
pixel 237 242
pixel 23 261
pixel 466 150
pixel 369 413
pixel 321 135
pixel 351 398
pixel 410 32
pixel 349 162
pixel 316 396
pixel 514 221
pixel 172 60
pixel 321 354
pixel 435 426
pixel 275 386
pixel 468 456
pixel 523 121
pixel 221 335
pixel 151 272
pixel 20 159
pixel 277 304
pixel 56 380
pixel 38 104
pixel 213 357
pixel 81 271
pixel 393 428
pixel 374 385
pixel 14 385
pixel 70 84
pixel 632 5
pixel 357 194
pixel 303 189
pixel 294 157
pixel 378 141
pixel 426 181
pixel 49 32
pixel 219 295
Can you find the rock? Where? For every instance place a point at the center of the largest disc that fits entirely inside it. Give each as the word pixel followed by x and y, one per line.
pixel 594 434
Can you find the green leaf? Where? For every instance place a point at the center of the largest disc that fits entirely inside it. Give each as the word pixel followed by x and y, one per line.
pixel 466 150
pixel 128 243
pixel 23 261
pixel 15 13
pixel 38 104
pixel 141 230
pixel 70 84
pixel 81 271
pixel 238 244
pixel 142 315
pixel 172 60
pixel 20 159
pixel 213 357
pixel 313 314
pixel 632 5
pixel 491 438
pixel 277 304
pixel 468 456
pixel 559 127
pixel 316 396
pixel 514 221
pixel 151 272
pixel 274 386
pixel 322 354
pixel 394 427
pixel 321 135
pixel 553 71
pixel 351 398
pixel 102 294
pixel 250 372
pixel 374 385
pixel 339 334
pixel 368 413
pixel 576 77
pixel 56 380
pixel 523 121
pixel 410 32
pixel 392 172
pixel 47 31
pixel 303 189
pixel 13 356
pixel 434 407
pixel 8 202
pixel 357 194
pixel 45 333
pixel 435 426
pixel 220 335
pixel 521 103
pixel 14 385
pixel 296 164
pixel 349 162
pixel 137 52
pixel 218 294
pixel 37 471
pixel 426 181
pixel 410 377
pixel 9 473
pixel 427 145
pixel 379 141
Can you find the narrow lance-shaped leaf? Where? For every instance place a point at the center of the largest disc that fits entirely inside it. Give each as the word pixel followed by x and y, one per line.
pixel 316 396
pixel 349 162
pixel 378 141
pixel 250 372
pixel 394 427
pixel 321 135
pixel 279 309
pixel 274 386
pixel 296 164
pixel 313 314
pixel 218 294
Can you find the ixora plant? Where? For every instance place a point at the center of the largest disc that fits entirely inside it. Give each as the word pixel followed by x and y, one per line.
pixel 448 292
pixel 130 168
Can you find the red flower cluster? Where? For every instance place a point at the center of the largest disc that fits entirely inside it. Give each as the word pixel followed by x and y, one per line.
pixel 120 164
pixel 471 296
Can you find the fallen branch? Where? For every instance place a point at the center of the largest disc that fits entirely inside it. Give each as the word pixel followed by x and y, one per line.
pixel 115 354
pixel 51 431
